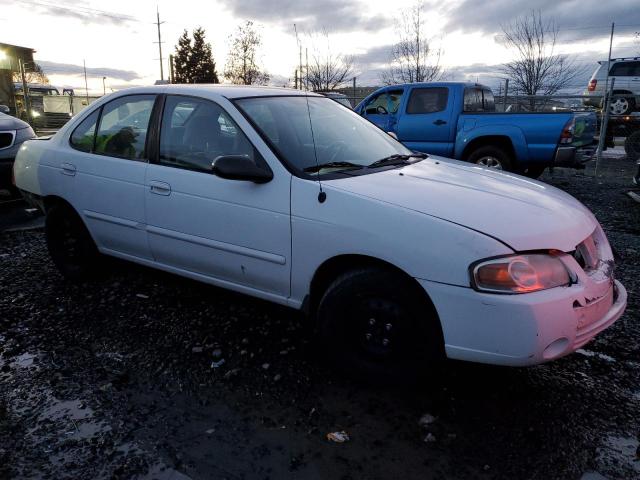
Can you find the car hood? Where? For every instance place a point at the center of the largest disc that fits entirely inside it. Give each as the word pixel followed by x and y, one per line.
pixel 520 212
pixel 7 122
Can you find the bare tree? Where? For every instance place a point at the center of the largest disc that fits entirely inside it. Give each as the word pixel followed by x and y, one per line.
pixel 327 70
pixel 242 62
pixel 32 75
pixel 413 59
pixel 537 69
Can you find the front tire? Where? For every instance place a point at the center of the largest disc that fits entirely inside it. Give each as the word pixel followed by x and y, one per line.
pixel 491 157
pixel 70 245
pixel 379 327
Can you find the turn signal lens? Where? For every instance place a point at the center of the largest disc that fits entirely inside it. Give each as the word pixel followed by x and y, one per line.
pixel 520 274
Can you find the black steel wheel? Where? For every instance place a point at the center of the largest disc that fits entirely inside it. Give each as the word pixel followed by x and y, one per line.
pixel 377 326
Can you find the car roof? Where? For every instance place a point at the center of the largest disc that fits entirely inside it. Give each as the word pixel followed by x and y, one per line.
pixel 223 90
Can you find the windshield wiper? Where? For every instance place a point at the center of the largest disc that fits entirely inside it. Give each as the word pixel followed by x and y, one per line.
pixel 317 168
pixel 396 159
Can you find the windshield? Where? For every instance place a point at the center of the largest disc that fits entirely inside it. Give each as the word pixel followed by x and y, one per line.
pixel 343 140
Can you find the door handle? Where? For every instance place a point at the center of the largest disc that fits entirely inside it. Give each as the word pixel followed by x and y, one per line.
pixel 439 122
pixel 68 169
pixel 159 188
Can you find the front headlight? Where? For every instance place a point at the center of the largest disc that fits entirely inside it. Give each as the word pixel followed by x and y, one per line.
pixel 35 113
pixel 519 273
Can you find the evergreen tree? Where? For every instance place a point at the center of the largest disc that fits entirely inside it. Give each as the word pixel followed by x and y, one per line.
pixel 193 61
pixel 181 59
pixel 201 64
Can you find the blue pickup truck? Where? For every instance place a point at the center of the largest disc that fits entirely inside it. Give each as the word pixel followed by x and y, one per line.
pixel 459 120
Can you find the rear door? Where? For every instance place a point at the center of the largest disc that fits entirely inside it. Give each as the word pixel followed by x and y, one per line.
pixel 106 166
pixel 426 124
pixel 236 232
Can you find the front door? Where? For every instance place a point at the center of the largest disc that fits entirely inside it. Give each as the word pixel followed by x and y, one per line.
pixel 382 109
pixel 236 232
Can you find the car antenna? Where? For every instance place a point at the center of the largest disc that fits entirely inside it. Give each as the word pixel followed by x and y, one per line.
pixel 322 196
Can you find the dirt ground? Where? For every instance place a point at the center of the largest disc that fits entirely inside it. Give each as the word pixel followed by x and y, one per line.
pixel 148 375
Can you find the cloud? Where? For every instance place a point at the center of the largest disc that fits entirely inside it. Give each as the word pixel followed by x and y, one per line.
pixel 71 69
pixel 309 15
pixel 577 20
pixel 77 11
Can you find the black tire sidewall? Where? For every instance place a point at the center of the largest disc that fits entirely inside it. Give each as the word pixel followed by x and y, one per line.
pixel 61 220
pixel 632 146
pixel 424 348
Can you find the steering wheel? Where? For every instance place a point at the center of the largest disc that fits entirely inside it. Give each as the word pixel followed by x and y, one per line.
pixel 381 110
pixel 335 149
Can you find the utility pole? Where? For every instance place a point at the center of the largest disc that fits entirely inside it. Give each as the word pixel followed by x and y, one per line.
pixel 26 104
pixel 306 70
pixel 605 104
pixel 86 85
pixel 104 86
pixel 170 68
pixel 159 42
pixel 506 91
pixel 295 29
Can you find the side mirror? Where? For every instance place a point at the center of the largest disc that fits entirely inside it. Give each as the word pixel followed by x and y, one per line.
pixel 4 109
pixel 240 167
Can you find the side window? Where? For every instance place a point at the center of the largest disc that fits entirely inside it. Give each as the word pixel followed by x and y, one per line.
pixel 377 105
pixel 194 132
pixel 489 103
pixel 472 100
pixel 428 100
pixel 123 127
pixel 625 69
pixel 395 97
pixel 84 134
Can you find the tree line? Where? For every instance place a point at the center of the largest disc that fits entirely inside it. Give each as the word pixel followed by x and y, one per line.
pixel 193 59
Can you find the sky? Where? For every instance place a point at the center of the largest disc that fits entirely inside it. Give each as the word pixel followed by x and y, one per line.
pixel 115 37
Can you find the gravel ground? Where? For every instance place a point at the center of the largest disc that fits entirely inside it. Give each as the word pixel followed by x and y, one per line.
pixel 147 375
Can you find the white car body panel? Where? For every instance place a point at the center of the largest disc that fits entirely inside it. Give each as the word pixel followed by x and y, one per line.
pixel 431 219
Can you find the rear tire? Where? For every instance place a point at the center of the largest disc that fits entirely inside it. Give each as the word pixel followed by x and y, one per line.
pixel 533 171
pixel 70 245
pixel 380 328
pixel 494 158
pixel 632 146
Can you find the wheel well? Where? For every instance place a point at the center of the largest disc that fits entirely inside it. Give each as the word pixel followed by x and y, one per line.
pixel 336 266
pixel 622 92
pixel 499 141
pixel 50 201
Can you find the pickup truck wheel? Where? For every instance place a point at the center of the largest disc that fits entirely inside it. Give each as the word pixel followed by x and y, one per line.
pixel 632 146
pixel 533 171
pixel 491 157
pixel 377 326
pixel 70 245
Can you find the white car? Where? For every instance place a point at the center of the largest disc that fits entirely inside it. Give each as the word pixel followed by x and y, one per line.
pixel 624 73
pixel 402 259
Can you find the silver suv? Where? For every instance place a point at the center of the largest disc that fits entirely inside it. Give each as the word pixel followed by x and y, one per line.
pixel 626 89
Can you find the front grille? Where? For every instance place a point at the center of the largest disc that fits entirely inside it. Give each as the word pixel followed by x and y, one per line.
pixel 6 139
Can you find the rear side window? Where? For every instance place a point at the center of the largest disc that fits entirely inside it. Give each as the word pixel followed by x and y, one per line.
pixel 123 127
pixel 479 100
pixel 428 100
pixel 83 136
pixel 626 69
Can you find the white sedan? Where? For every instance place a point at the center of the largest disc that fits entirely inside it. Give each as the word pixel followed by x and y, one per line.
pixel 402 259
